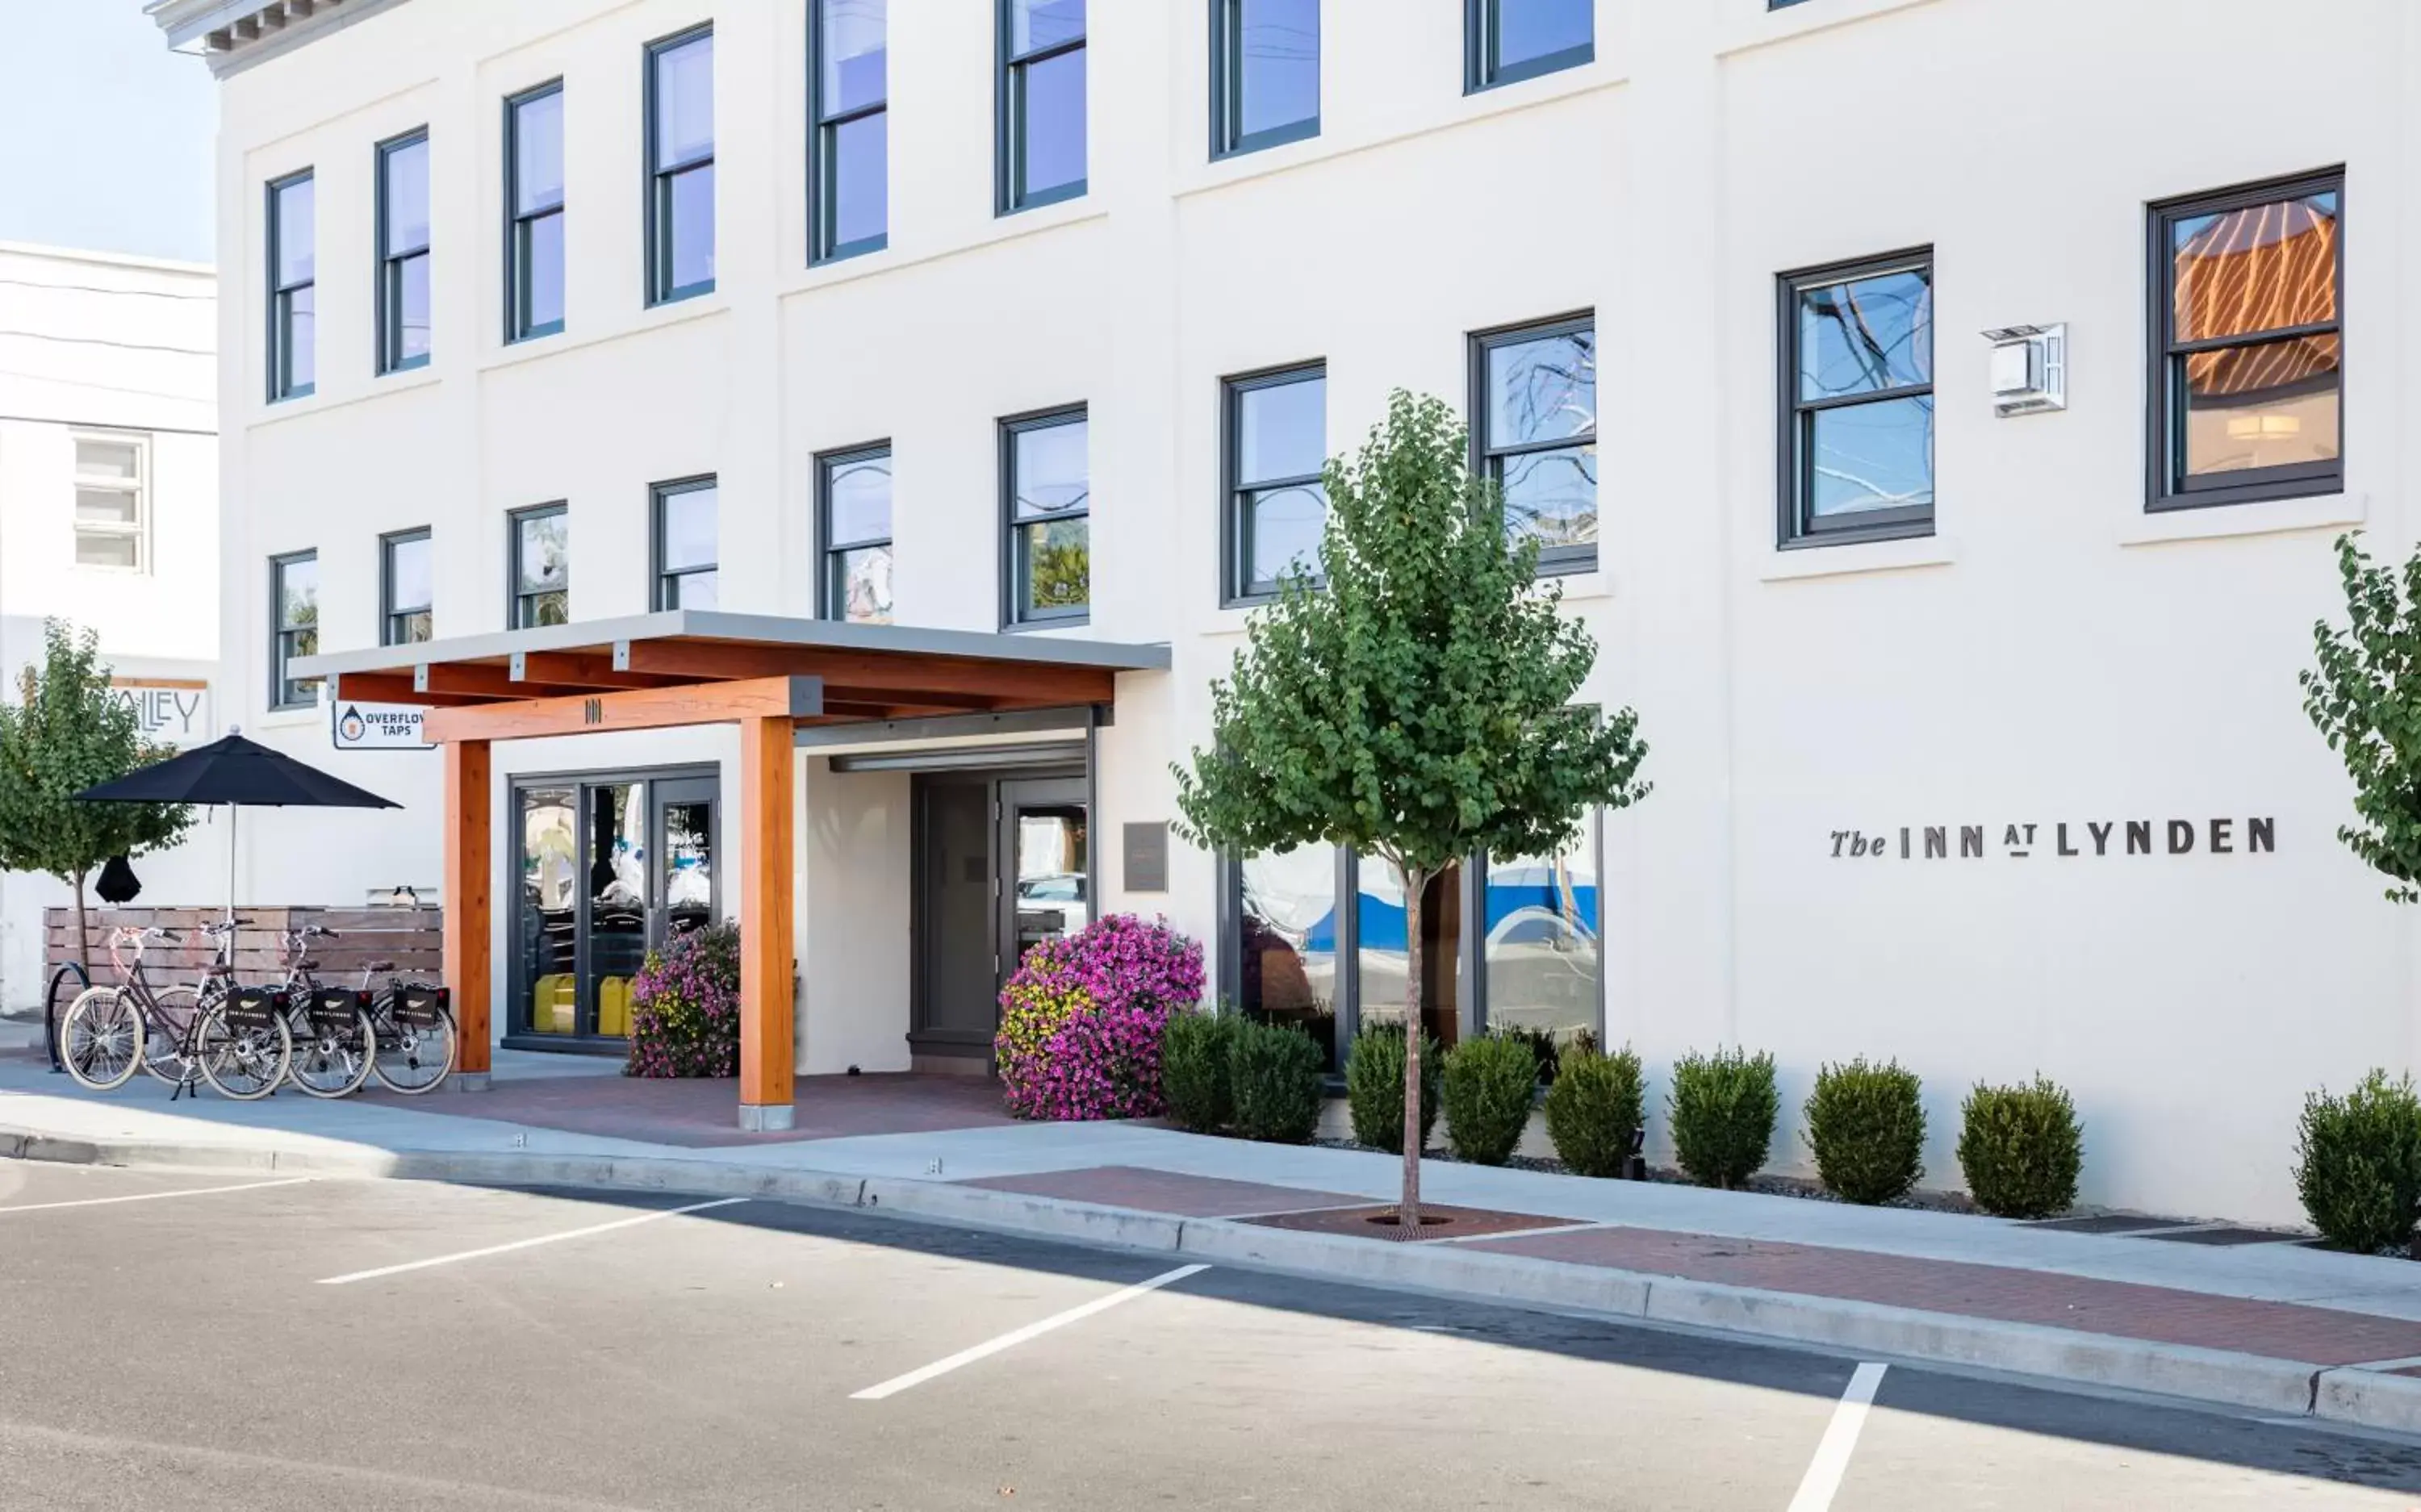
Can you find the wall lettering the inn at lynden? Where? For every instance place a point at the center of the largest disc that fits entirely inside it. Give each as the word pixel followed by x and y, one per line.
pixel 2089 838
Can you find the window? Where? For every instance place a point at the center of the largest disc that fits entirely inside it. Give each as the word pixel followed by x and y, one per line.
pixel 684 545
pixel 112 501
pixel 2248 380
pixel 1276 428
pixel 404 589
pixel 403 253
pixel 1857 448
pixel 294 620
pixel 534 205
pixel 1505 40
pixel 540 544
pixel 1049 492
pixel 1264 73
pixel 853 499
pixel 849 164
pixel 293 293
pixel 1041 103
pixel 1535 434
pixel 680 166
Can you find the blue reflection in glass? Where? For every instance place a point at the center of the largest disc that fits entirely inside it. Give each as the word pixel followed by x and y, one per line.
pixel 1533 31
pixel 860 169
pixel 1542 390
pixel 542 272
pixel 407 197
pixel 1033 24
pixel 1867 335
pixel 856 55
pixel 538 153
pixel 1875 456
pixel 1278 64
pixel 689 231
pixel 296 231
pixel 685 102
pixel 411 310
pixel 1050 120
pixel 1283 529
pixel 1283 431
pixel 1553 495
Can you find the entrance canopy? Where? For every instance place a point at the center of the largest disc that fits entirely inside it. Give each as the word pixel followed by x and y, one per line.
pixel 772 677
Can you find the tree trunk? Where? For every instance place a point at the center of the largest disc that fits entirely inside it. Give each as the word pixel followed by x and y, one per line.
pixel 1408 1208
pixel 83 933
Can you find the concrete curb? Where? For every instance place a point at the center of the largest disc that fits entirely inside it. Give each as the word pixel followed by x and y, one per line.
pixel 2282 1387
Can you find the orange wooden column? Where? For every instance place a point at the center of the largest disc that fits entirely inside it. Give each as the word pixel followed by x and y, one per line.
pixel 468 827
pixel 767 1046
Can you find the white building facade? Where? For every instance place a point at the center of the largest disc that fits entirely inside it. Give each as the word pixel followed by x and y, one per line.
pixel 109 515
pixel 1976 738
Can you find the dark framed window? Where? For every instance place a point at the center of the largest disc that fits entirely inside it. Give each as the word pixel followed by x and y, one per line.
pixel 293 287
pixel 1264 73
pixel 2248 344
pixel 684 548
pixel 1276 430
pixel 1046 485
pixel 533 212
pixel 404 589
pixel 849 104
pixel 680 166
pixel 1509 40
pixel 1535 434
pixel 403 253
pixel 293 627
pixel 539 543
pixel 1041 103
pixel 853 523
pixel 1857 401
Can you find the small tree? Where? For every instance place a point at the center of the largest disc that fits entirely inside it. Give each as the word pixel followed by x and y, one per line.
pixel 2366 698
pixel 65 732
pixel 1417 705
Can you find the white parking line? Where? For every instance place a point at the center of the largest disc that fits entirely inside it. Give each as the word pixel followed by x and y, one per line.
pixel 153 1196
pixel 525 1244
pixel 1017 1336
pixel 1823 1475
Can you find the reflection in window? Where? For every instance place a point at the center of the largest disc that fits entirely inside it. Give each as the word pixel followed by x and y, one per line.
pixel 1536 435
pixel 1287 950
pixel 1539 952
pixel 1859 345
pixel 534 165
pixel 406 578
pixel 1049 500
pixel 1277 439
pixel 542 566
pixel 681 167
pixel 549 916
pixel 1042 102
pixel 849 169
pixel 615 875
pixel 689 866
pixel 295 593
pixel 1512 39
pixel 685 544
pixel 854 488
pixel 2251 366
pixel 1265 73
pixel 1382 955
pixel 294 286
pixel 403 254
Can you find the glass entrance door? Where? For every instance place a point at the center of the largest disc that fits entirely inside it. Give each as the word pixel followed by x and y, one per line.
pixel 1041 843
pixel 1001 863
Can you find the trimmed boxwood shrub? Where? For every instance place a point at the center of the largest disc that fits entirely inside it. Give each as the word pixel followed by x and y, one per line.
pixel 1194 1070
pixel 1490 1083
pixel 2358 1163
pixel 1374 1088
pixel 685 1006
pixel 1866 1125
pixel 1273 1073
pixel 2022 1149
pixel 1593 1106
pixel 1722 1108
pixel 1080 1020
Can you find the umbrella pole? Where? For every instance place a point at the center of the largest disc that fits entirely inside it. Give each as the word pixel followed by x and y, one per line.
pixel 230 908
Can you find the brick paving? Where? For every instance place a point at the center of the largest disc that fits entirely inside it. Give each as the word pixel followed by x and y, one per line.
pixel 2283 1331
pixel 704 1114
pixel 1165 1192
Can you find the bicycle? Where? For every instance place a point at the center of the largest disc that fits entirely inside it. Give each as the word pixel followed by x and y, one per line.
pixel 416 1039
pixel 234 1037
pixel 336 1043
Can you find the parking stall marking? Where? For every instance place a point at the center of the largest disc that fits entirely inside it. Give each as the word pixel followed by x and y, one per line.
pixel 1823 1477
pixel 532 1243
pixel 1017 1336
pixel 153 1196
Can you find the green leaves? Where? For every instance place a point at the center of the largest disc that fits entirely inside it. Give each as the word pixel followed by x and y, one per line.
pixel 2364 698
pixel 65 733
pixel 1418 705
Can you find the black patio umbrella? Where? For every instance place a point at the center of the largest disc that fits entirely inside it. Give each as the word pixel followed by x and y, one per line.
pixel 239 773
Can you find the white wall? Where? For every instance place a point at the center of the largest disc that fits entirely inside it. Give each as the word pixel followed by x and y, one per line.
pixel 2052 654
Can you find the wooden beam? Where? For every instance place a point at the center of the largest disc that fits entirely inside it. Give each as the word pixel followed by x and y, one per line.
pixel 490 682
pixel 878 675
pixel 635 708
pixel 395 688
pixel 578 669
pixel 767 1041
pixel 463 885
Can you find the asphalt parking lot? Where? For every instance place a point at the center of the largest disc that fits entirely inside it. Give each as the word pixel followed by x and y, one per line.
pixel 229 1341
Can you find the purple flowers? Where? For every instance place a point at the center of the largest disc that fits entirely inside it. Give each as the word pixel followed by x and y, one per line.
pixel 685 1006
pixel 1082 1019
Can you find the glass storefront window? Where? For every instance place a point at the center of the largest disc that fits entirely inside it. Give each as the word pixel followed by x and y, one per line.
pixel 615 875
pixel 1541 952
pixel 689 865
pixel 549 922
pixel 1385 953
pixel 1287 955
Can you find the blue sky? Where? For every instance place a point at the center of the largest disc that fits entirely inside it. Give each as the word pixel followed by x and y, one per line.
pixel 105 135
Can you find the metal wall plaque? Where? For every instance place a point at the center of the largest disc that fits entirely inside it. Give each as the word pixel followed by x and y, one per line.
pixel 1146 849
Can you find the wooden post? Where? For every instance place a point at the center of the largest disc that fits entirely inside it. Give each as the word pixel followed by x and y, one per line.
pixel 468 812
pixel 767 1052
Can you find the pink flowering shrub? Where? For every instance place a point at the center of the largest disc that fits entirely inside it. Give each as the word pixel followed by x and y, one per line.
pixel 1081 1021
pixel 685 1006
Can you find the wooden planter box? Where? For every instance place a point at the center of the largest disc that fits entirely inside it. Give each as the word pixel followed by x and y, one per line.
pixel 413 937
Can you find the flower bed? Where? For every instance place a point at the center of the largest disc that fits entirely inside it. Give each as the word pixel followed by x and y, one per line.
pixel 1080 1020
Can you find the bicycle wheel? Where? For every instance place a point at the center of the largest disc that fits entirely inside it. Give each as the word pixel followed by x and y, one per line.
pixel 413 1058
pixel 67 984
pixel 330 1060
pixel 100 1040
pixel 173 1011
pixel 243 1061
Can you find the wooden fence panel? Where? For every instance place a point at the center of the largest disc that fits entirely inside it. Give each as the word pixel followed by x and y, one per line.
pixel 413 937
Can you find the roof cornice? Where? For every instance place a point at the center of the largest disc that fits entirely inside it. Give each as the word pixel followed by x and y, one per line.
pixel 233 35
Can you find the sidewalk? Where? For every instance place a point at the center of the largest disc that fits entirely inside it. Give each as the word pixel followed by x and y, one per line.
pixel 2278 1326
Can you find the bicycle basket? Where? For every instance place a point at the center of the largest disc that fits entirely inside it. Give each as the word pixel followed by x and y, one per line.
pixel 333 1008
pixel 256 1007
pixel 420 1005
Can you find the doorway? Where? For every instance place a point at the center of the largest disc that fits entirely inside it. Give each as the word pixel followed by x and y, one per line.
pixel 610 866
pixel 1002 863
